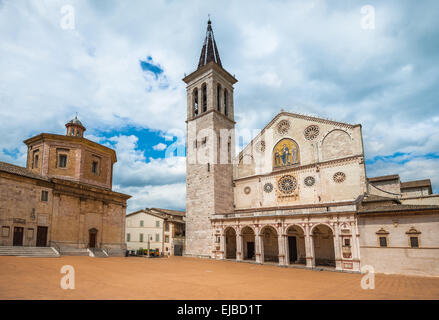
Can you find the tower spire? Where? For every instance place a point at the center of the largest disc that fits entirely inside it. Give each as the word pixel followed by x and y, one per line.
pixel 209 52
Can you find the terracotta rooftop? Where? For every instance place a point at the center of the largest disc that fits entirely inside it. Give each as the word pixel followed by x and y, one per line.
pixel 403 208
pixel 417 183
pixel 384 178
pixel 375 198
pixel 21 171
pixel 161 213
pixel 171 212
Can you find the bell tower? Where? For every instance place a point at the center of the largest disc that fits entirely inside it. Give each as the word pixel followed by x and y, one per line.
pixel 210 143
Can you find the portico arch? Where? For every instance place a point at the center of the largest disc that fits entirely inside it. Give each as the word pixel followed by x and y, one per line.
pixel 248 243
pixel 296 253
pixel 270 244
pixel 230 243
pixel 323 242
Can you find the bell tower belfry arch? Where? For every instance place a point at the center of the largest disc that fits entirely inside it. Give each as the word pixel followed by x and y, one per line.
pixel 210 145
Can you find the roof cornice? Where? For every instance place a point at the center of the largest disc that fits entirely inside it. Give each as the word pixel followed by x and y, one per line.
pixel 210 66
pixel 80 140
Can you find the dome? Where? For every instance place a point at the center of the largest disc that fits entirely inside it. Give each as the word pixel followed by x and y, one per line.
pixel 76 121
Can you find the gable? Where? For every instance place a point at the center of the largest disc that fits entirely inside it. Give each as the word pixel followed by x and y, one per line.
pixel 315 140
pixel 295 117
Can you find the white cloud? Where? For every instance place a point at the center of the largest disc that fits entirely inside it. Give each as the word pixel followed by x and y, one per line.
pixel 172 196
pixel 414 169
pixel 160 147
pixel 148 181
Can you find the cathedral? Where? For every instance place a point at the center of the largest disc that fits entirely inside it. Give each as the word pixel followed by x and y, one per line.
pixel 298 194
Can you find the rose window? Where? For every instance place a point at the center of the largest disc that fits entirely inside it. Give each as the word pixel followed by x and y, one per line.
pixel 283 127
pixel 268 187
pixel 310 181
pixel 339 177
pixel 311 132
pixel 287 184
pixel 260 146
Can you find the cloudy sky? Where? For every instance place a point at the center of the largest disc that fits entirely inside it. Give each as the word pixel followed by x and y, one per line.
pixel 119 65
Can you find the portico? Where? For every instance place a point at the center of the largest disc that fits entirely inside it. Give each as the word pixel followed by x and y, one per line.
pixel 289 240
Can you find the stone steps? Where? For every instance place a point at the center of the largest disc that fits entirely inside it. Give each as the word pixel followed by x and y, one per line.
pixel 74 252
pixel 43 252
pixel 98 253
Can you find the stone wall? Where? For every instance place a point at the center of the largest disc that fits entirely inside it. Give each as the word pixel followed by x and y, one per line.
pixel 21 206
pixel 80 152
pixel 398 256
pixel 324 189
pixel 70 211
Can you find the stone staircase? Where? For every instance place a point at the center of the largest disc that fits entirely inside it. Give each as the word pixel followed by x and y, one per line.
pixel 98 253
pixel 39 252
pixel 66 251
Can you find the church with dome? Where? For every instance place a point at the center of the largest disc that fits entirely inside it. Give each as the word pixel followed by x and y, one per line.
pixel 298 194
pixel 63 198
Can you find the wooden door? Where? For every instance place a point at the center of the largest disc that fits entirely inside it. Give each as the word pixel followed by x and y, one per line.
pixel 42 236
pixel 18 236
pixel 92 238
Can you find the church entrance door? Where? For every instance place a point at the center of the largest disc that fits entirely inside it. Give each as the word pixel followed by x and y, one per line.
pixel 18 236
pixel 250 250
pixel 292 246
pixel 92 238
pixel 41 236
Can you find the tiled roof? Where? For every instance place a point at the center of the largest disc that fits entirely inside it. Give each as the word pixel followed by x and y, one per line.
pixel 416 184
pixel 384 178
pixel 398 208
pixel 161 213
pixel 209 52
pixel 21 171
pixel 171 212
pixel 375 198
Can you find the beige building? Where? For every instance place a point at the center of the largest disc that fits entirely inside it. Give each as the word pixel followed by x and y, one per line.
pixel 298 193
pixel 63 197
pixel 157 229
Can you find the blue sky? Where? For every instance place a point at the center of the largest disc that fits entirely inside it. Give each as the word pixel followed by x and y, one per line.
pixel 121 66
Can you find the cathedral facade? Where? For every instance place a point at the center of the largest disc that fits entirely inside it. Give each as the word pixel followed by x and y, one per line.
pixel 298 193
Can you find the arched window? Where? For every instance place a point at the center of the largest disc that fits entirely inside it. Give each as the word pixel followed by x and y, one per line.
pixel 195 97
pixel 225 101
pixel 204 90
pixel 218 97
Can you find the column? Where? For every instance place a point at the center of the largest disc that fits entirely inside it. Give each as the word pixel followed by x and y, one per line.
pixel 281 247
pixel 337 249
pixel 287 249
pixel 239 253
pixel 309 248
pixel 355 248
pixel 259 250
pixel 222 253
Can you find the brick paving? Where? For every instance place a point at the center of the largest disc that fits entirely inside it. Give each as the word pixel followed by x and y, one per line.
pixel 191 278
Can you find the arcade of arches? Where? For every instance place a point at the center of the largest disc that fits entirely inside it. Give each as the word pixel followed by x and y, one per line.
pixel 311 245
